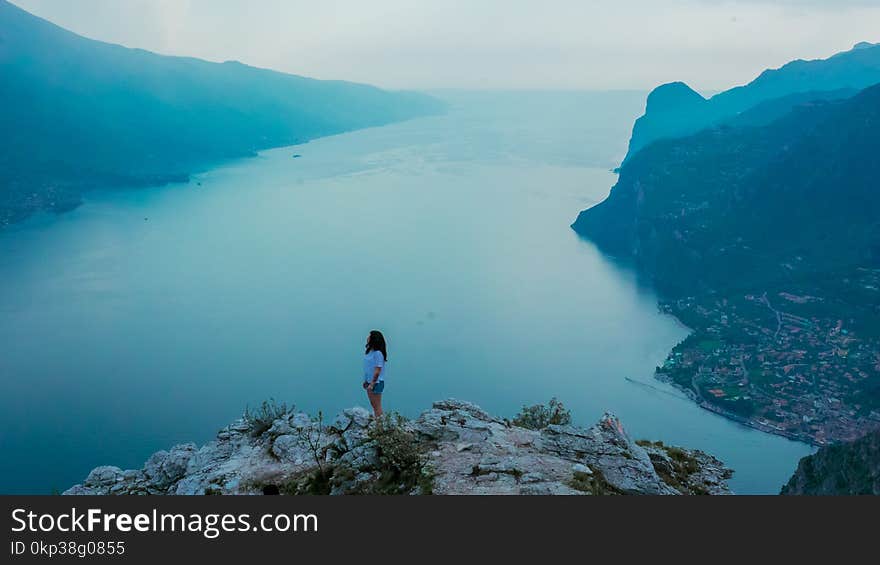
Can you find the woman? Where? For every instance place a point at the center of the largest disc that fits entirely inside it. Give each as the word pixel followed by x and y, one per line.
pixel 375 357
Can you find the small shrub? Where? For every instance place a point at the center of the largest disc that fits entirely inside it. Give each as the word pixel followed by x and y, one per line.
pixel 313 481
pixel 426 480
pixel 477 471
pixel 313 437
pixel 594 483
pixel 539 416
pixel 677 468
pixel 649 443
pixel 401 458
pixel 316 482
pixel 261 420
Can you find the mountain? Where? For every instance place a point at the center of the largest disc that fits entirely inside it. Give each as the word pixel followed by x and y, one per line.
pixel 79 113
pixel 453 448
pixel 675 110
pixel 845 469
pixel 742 206
pixel 765 241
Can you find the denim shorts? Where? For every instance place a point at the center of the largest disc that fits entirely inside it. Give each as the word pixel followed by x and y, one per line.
pixel 378 387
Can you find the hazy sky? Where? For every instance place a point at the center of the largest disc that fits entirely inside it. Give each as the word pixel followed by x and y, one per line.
pixel 600 44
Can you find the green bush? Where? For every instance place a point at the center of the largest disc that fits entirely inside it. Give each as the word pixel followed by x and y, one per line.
pixel 261 420
pixel 401 458
pixel 676 471
pixel 594 483
pixel 539 416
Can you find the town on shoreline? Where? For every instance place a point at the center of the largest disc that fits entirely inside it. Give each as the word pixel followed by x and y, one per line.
pixel 791 361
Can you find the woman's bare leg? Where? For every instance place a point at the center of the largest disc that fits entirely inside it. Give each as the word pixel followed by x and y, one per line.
pixel 376 403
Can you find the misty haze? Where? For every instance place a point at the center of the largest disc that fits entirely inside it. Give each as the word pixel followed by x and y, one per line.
pixel 665 219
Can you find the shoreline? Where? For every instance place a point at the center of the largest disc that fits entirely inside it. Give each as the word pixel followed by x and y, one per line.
pixel 752 424
pixel 747 422
pixel 80 188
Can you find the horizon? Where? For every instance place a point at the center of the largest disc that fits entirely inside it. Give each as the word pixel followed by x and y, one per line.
pixel 431 48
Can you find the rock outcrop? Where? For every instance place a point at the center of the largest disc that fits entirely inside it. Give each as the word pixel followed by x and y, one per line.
pixel 453 448
pixel 844 469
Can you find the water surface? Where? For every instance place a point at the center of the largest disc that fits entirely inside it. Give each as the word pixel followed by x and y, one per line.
pixel 152 317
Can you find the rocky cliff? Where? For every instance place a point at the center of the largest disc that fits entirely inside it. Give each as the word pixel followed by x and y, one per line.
pixel 765 241
pixel 842 469
pixel 453 448
pixel 746 206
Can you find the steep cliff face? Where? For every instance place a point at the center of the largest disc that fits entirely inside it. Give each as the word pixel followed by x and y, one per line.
pixel 453 448
pixel 679 111
pixel 748 205
pixel 843 469
pixel 672 110
pixel 765 241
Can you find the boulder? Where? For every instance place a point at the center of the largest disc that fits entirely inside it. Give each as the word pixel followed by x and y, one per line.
pixel 164 468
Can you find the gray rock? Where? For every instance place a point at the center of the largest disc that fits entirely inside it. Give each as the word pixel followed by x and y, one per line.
pixel 291 449
pixel 164 468
pixel 360 417
pixel 280 427
pixel 465 450
pixel 362 457
pixel 606 447
pixel 581 468
pixel 105 476
pixel 80 490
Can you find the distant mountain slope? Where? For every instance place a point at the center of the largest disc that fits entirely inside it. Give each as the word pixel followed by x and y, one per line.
pixel 77 113
pixel 843 469
pixel 765 241
pixel 675 110
pixel 740 206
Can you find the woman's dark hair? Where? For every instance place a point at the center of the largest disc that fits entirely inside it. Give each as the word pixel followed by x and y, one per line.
pixel 376 342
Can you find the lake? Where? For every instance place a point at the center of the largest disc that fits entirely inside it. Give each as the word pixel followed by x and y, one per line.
pixel 152 317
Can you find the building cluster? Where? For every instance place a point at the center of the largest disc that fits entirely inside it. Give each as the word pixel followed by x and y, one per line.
pixel 779 362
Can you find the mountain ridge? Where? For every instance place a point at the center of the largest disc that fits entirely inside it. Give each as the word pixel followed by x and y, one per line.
pixel 89 114
pixel 765 241
pixel 690 112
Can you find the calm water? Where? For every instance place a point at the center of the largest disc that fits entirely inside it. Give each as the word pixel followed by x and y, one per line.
pixel 153 317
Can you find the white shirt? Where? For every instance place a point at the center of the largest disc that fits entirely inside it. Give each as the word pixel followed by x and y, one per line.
pixel 372 360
